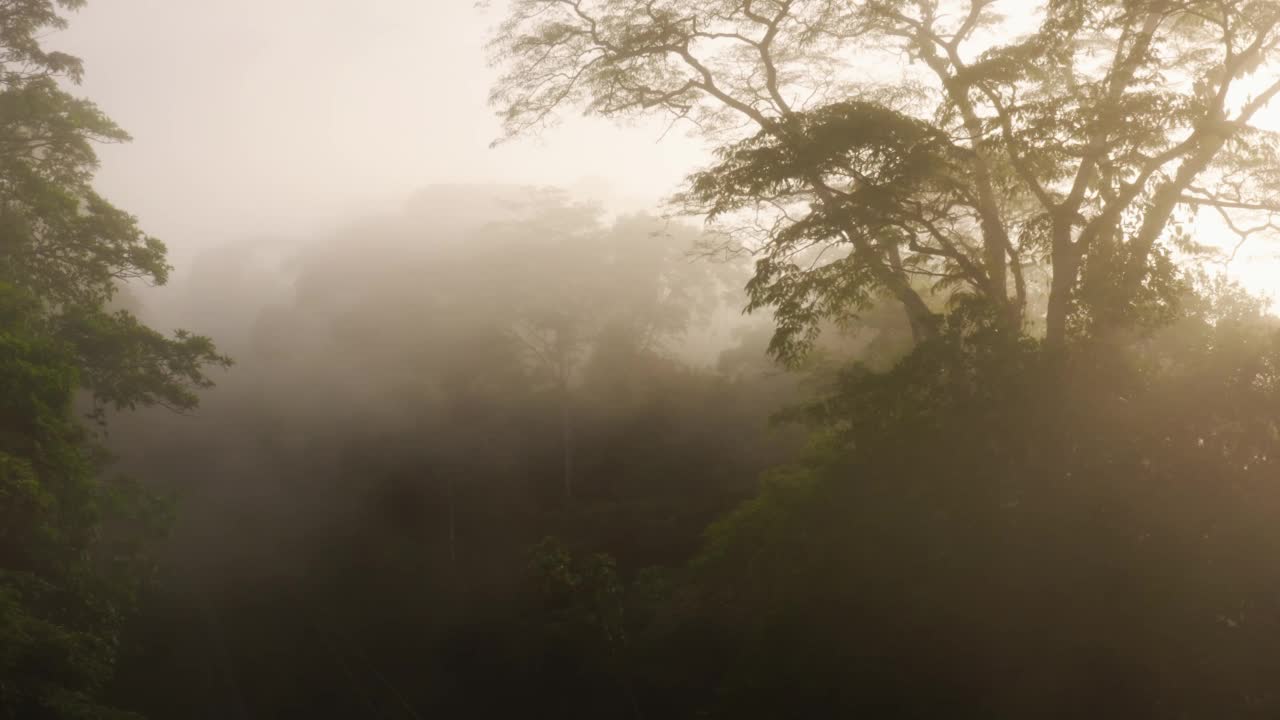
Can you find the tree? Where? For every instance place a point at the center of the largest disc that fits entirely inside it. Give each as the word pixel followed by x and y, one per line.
pixel 64 243
pixel 65 576
pixel 993 525
pixel 1078 133
pixel 574 283
pixel 976 532
pixel 482 333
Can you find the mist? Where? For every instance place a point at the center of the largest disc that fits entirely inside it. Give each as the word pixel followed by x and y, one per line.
pixel 613 358
pixel 290 117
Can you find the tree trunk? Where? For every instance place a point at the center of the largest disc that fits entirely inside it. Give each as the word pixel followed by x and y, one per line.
pixel 924 323
pixel 1066 264
pixel 1056 317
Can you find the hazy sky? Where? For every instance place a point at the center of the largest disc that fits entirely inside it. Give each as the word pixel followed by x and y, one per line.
pixel 281 117
pixel 258 117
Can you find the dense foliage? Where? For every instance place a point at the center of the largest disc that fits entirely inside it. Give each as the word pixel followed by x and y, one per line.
pixel 71 538
pixel 980 529
pixel 1057 503
pixel 506 454
pixel 979 524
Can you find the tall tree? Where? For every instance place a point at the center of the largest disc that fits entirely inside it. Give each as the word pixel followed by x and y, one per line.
pixel 64 254
pixel 1073 132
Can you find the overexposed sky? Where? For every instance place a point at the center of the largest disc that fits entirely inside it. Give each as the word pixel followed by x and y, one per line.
pixel 263 117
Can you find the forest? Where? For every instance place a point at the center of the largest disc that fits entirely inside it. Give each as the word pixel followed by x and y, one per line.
pixel 943 387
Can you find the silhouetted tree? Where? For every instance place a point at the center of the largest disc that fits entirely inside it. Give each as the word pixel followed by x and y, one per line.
pixel 1071 132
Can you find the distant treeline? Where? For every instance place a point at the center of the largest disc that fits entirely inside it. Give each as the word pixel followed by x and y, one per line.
pixel 418 403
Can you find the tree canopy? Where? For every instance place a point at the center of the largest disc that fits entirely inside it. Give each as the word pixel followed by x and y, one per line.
pixel 483 460
pixel 1052 504
pixel 71 537
pixel 1081 135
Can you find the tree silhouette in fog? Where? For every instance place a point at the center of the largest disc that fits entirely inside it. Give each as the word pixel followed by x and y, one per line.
pixel 1054 504
pixel 1073 133
pixel 506 453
